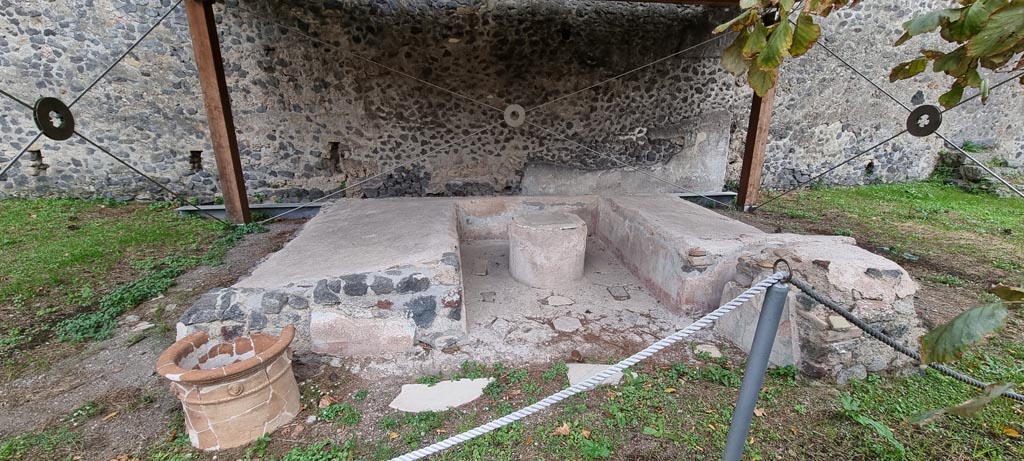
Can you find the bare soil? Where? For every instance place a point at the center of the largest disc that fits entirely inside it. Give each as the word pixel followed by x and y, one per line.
pixel 117 374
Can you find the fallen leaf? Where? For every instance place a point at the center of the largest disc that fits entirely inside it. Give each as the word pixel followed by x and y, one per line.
pixel 562 430
pixel 793 429
pixel 393 435
pixel 529 440
pixel 326 401
pixel 1011 432
pixel 586 434
pixel 110 416
pixel 759 412
pixel 442 431
pixel 670 390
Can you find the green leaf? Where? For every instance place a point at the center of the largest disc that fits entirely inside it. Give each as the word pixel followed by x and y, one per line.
pixel 908 69
pixel 954 63
pixel 972 79
pixel 929 21
pixel 881 429
pixel 757 41
pixel 777 48
pixel 1001 32
pixel 952 97
pixel 762 80
pixel 967 408
pixel 973 406
pixel 746 4
pixel 947 342
pixel 737 23
pixel 786 6
pixel 970 23
pixel 903 39
pixel 924 418
pixel 805 35
pixel 733 60
pixel 1008 293
pixel 984 89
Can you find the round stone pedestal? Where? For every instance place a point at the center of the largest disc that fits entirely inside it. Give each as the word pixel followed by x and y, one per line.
pixel 547 249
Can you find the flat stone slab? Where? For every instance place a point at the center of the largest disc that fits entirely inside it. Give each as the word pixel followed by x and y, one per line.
pixel 710 349
pixel 567 324
pixel 579 372
pixel 559 301
pixel 416 398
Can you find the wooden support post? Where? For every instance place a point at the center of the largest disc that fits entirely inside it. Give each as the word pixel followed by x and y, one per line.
pixel 202 26
pixel 753 151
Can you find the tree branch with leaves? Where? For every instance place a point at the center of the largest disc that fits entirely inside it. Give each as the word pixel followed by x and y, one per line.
pixel 989 34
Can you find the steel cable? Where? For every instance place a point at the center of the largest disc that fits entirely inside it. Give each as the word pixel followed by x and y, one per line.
pixel 810 291
pixel 597 379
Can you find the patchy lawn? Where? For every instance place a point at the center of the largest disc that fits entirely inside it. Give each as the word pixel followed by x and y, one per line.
pixel 677 406
pixel 978 237
pixel 65 260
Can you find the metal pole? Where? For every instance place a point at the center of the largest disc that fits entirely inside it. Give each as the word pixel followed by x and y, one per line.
pixel 757 364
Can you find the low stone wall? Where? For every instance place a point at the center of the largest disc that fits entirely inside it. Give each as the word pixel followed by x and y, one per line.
pixel 350 315
pixel 812 337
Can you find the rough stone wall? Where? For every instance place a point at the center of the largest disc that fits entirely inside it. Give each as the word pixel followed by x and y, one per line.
pixel 332 316
pixel 311 118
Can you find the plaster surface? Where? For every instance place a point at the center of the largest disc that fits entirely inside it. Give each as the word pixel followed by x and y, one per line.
pixel 356 236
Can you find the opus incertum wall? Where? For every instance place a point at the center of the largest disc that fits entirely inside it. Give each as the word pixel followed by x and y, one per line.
pixel 311 117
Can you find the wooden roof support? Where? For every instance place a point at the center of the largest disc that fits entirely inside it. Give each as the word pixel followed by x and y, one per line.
pixel 754 150
pixel 203 28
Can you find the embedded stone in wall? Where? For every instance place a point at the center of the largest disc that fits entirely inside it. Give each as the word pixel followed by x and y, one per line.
pixel 334 334
pixel 365 306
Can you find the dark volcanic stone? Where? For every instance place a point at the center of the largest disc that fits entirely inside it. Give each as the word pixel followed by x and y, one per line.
pixel 382 285
pixel 423 310
pixel 199 313
pixel 451 259
pixel 414 283
pixel 273 301
pixel 297 302
pixel 323 295
pixel 233 312
pixel 257 321
pixel 881 274
pixel 355 285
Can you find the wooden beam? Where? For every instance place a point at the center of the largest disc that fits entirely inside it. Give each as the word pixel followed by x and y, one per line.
pixel 753 151
pixel 206 45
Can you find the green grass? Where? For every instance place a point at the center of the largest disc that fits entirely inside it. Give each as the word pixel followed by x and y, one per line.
pixel 920 219
pixel 100 324
pixel 64 245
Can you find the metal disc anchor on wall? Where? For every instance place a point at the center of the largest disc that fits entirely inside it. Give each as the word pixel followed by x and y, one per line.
pixel 924 120
pixel 54 118
pixel 515 115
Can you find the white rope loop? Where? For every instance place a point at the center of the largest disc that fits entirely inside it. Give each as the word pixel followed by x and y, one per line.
pixel 593 381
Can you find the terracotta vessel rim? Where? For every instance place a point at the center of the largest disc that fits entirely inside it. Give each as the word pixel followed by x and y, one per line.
pixel 167 363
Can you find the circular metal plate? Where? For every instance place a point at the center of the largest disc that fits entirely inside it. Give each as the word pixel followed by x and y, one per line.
pixel 54 118
pixel 515 115
pixel 924 120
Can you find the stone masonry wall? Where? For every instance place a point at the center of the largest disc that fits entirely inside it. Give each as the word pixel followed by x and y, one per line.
pixel 356 314
pixel 311 118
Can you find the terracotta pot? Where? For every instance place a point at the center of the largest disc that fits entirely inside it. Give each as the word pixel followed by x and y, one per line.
pixel 235 392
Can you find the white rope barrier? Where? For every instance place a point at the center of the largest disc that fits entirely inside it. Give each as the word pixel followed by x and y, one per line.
pixel 593 381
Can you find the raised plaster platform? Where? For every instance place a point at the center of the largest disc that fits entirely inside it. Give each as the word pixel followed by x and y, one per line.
pixel 425 283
